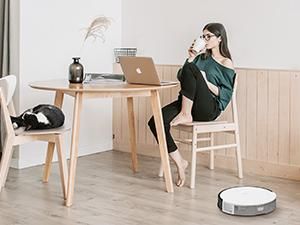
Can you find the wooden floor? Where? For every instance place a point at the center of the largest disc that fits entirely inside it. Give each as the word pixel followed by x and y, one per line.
pixel 107 192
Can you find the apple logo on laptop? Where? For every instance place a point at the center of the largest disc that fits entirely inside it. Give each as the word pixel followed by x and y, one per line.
pixel 138 70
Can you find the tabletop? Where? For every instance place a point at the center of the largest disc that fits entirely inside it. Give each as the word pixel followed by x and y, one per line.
pixel 64 85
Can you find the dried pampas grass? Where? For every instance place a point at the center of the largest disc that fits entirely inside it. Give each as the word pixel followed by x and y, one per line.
pixel 97 28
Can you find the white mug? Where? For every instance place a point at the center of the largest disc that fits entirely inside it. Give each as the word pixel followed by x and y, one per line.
pixel 199 44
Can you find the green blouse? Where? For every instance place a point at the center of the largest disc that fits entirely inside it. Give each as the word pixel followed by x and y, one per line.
pixel 219 75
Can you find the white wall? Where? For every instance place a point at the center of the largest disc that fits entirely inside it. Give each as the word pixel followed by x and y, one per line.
pixel 262 34
pixel 51 33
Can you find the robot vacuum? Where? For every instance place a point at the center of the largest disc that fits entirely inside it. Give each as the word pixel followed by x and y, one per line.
pixel 247 201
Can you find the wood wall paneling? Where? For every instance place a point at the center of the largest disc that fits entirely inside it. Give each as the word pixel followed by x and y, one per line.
pixel 268 110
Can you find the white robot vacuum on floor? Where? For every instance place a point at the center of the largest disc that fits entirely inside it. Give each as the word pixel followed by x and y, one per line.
pixel 247 201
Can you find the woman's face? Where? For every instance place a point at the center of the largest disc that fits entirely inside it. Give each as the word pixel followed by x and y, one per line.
pixel 211 40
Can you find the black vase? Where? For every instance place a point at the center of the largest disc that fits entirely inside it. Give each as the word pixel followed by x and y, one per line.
pixel 75 71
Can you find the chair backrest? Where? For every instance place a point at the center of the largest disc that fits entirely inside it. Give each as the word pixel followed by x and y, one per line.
pixel 8 86
pixel 235 85
pixel 233 101
pixel 7 89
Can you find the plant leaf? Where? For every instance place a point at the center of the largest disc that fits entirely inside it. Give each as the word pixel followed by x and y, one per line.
pixel 97 28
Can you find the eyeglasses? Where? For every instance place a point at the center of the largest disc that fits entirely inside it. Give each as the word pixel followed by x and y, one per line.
pixel 207 37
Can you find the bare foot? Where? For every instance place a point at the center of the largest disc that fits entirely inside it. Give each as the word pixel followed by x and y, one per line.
pixel 181 173
pixel 181 118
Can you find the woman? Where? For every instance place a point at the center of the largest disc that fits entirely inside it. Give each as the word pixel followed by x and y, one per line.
pixel 206 80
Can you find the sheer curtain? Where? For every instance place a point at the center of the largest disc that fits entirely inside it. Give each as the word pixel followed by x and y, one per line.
pixel 4 37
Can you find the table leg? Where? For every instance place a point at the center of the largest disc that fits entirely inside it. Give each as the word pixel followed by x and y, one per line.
pixel 156 108
pixel 59 98
pixel 74 148
pixel 132 134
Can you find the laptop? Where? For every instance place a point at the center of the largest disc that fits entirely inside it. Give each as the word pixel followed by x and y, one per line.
pixel 141 70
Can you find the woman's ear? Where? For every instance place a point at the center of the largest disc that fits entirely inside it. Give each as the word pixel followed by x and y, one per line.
pixel 219 39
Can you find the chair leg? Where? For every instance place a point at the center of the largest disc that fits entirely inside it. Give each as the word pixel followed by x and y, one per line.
pixel 48 161
pixel 238 155
pixel 193 168
pixel 212 155
pixel 63 168
pixel 193 160
pixel 5 161
pixel 161 170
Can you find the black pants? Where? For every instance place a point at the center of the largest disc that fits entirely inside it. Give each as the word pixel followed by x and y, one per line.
pixel 193 86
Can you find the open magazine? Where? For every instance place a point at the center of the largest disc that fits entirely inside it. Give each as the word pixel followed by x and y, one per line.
pixel 91 78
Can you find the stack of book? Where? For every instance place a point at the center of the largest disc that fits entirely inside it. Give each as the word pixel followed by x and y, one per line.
pixel 103 78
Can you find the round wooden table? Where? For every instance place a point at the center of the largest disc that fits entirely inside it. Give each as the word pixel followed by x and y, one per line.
pixel 103 90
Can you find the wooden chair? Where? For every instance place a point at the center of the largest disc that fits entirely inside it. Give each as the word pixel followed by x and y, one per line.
pixel 210 128
pixel 9 138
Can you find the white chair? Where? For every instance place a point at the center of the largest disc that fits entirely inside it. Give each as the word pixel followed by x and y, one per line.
pixel 211 128
pixel 9 138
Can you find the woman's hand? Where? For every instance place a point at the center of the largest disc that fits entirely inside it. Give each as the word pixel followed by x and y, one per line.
pixel 192 53
pixel 204 75
pixel 213 88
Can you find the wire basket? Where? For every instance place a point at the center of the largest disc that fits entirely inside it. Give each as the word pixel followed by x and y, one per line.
pixel 124 52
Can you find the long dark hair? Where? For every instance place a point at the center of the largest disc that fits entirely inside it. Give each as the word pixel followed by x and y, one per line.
pixel 219 30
